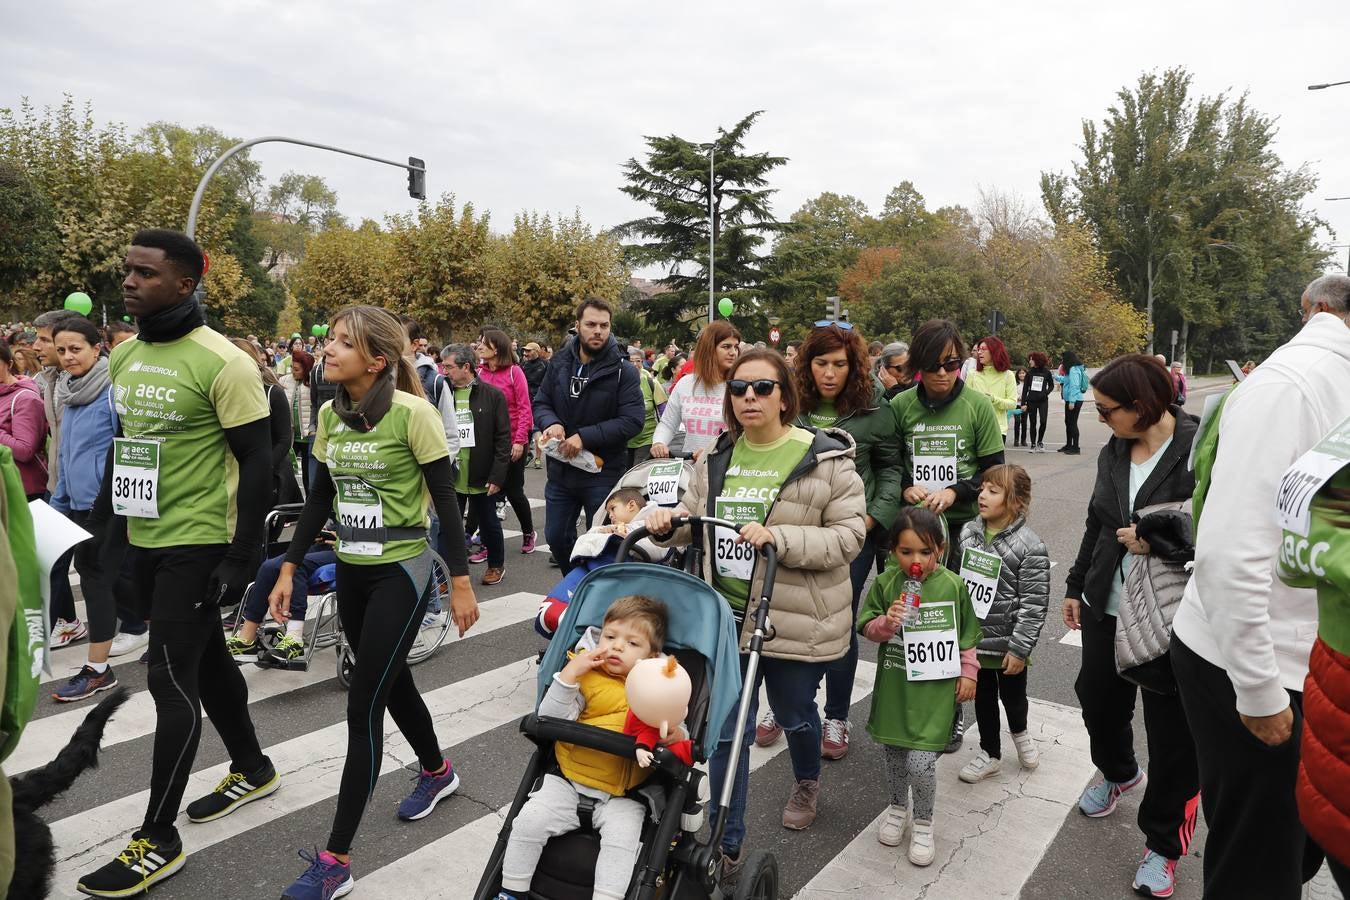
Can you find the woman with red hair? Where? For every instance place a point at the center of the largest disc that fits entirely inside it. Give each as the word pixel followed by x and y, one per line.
pixel 993 377
pixel 1040 381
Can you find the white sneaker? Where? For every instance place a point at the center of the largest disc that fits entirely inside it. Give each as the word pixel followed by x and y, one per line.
pixel 65 632
pixel 1027 754
pixel 921 850
pixel 123 643
pixel 891 831
pixel 981 767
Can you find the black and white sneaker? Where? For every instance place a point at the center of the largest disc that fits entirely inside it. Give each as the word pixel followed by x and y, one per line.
pixel 145 862
pixel 958 731
pixel 234 790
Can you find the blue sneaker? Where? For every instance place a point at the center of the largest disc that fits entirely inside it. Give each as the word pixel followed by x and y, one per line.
pixel 1157 876
pixel 86 683
pixel 325 879
pixel 430 790
pixel 1100 799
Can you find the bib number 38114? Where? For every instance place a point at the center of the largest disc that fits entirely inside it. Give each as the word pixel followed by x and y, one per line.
pixel 359 506
pixel 733 557
pixel 135 478
pixel 931 649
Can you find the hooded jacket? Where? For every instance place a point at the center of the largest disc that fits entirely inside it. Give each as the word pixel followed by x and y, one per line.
pixel 1014 621
pixel 513 386
pixel 1235 613
pixel 817 525
pixel 23 429
pixel 1100 553
pixel 606 412
pixel 87 433
pixel 876 458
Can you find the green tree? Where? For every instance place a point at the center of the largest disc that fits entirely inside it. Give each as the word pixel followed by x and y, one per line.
pixel 439 267
pixel 28 237
pixel 343 266
pixel 674 181
pixel 822 240
pixel 296 207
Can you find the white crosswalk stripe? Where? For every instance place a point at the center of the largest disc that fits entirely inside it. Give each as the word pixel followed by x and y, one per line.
pixel 998 828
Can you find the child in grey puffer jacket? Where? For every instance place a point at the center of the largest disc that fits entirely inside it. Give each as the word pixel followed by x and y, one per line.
pixel 1007 570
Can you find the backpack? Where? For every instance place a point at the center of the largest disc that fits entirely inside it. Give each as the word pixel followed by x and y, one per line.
pixel 1204 452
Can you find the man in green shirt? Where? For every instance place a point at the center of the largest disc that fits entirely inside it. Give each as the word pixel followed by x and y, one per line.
pixel 190 470
pixel 653 404
pixel 484 452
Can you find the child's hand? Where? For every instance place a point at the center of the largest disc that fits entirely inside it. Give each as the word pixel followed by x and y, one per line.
pixel 1013 665
pixel 676 735
pixel 965 689
pixel 644 757
pixel 896 614
pixel 580 664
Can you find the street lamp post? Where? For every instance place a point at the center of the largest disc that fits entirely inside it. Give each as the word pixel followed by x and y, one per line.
pixel 416 171
pixel 712 230
pixel 1322 87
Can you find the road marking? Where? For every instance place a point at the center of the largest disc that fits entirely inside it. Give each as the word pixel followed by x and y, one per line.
pixel 44 737
pixel 989 836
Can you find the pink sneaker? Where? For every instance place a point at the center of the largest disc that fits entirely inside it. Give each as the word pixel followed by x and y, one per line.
pixel 478 556
pixel 527 543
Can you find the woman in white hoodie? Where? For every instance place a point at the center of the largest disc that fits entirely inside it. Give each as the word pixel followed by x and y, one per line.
pixel 696 402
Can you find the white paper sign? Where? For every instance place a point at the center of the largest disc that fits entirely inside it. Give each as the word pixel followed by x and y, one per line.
pixel 1037 384
pixel 464 419
pixel 359 507
pixel 135 475
pixel 1307 475
pixel 55 535
pixel 734 558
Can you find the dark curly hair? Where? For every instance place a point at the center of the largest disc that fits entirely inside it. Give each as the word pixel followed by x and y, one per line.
pixel 858 391
pixel 1039 359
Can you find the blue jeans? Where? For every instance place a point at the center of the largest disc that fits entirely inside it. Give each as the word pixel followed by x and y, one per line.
pixel 484 508
pixel 839 673
pixel 792 695
pixel 562 504
pixel 255 601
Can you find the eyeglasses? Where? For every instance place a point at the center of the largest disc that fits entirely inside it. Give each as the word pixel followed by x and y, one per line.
pixel 826 323
pixel 899 367
pixel 763 386
pixel 947 365
pixel 1106 411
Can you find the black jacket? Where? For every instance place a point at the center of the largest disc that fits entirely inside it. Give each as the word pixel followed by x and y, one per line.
pixel 1101 553
pixel 1047 385
pixel 490 454
pixel 534 370
pixel 607 411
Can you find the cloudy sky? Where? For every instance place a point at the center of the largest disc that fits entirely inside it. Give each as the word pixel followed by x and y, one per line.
pixel 520 105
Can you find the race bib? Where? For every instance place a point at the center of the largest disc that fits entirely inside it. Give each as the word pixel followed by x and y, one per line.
pixel 931 650
pixel 1307 475
pixel 934 465
pixel 464 419
pixel 734 558
pixel 359 507
pixel 663 482
pixel 1037 384
pixel 980 570
pixel 135 487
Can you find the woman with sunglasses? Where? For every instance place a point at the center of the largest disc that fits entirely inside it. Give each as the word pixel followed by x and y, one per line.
pixel 837 390
pixel 696 403
pixel 949 433
pixel 993 377
pixel 798 490
pixel 1143 464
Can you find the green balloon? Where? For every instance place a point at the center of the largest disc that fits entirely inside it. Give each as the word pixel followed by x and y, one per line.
pixel 126 318
pixel 79 302
pixel 295 335
pixel 724 306
pixel 325 331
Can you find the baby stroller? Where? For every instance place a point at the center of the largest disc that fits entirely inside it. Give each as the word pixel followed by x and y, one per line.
pixel 661 481
pixel 672 861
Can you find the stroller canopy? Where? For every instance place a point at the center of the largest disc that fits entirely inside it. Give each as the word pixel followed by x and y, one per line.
pixel 698 619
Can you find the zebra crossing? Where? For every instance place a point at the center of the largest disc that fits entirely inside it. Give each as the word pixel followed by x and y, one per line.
pixel 477 689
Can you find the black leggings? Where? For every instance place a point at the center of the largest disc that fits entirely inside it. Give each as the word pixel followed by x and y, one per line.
pixel 1071 411
pixel 396 595
pixel 1020 429
pixel 990 686
pixel 189 669
pixel 514 493
pixel 99 567
pixel 1037 416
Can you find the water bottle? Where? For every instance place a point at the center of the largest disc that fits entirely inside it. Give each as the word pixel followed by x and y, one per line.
pixel 910 595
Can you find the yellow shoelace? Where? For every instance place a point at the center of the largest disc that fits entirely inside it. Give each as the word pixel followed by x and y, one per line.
pixel 227 781
pixel 139 847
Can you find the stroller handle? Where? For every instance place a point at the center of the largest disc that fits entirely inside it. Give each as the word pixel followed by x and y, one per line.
pixel 769 551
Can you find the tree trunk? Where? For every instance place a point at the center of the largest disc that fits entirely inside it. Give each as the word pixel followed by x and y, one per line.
pixel 1185 334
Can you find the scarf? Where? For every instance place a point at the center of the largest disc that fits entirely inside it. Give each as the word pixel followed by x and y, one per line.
pixel 91 385
pixel 365 415
pixel 171 323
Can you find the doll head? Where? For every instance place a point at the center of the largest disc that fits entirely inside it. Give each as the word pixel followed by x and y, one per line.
pixel 658 693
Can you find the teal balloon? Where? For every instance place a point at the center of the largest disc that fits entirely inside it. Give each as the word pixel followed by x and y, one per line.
pixel 79 302
pixel 725 306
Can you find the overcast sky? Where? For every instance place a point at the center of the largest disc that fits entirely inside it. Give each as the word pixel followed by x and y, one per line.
pixel 536 106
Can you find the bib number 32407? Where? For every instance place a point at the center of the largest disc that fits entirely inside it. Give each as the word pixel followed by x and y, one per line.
pixel 135 486
pixel 733 557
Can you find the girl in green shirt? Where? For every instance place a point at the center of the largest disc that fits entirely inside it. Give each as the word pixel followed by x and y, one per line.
pixel 915 697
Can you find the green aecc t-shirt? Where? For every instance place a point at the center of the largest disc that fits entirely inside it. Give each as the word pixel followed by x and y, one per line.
pixel 960 432
pixel 378 474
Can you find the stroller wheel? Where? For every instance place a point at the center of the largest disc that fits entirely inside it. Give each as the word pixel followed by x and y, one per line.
pixel 759 877
pixel 346 663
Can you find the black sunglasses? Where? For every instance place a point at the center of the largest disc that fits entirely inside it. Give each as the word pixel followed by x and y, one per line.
pixel 949 365
pixel 763 386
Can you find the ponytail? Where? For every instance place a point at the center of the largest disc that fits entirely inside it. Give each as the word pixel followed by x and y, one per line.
pixel 406 378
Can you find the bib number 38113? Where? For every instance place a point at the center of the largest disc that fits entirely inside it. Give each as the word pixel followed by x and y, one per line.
pixel 733 557
pixel 135 478
pixel 931 649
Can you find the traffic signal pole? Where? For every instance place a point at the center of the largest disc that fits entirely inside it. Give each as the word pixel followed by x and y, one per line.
pixel 417 171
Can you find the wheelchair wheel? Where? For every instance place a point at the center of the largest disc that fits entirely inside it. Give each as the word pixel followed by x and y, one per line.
pixel 431 636
pixel 759 878
pixel 346 663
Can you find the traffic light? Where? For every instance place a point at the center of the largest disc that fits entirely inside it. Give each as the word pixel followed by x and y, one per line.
pixel 996 321
pixel 417 178
pixel 832 310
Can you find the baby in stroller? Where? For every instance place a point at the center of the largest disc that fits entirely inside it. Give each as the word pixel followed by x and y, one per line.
pixel 590 690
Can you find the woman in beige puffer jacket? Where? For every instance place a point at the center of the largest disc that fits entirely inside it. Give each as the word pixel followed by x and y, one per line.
pixel 797 488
